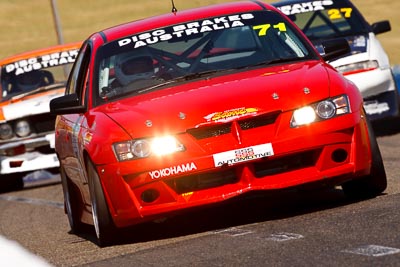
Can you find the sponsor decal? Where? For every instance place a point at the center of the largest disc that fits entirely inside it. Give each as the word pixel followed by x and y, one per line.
pixel 174 170
pixel 45 61
pixel 241 155
pixel 187 195
pixel 231 114
pixel 305 7
pixel 359 41
pixel 184 30
pixel 244 153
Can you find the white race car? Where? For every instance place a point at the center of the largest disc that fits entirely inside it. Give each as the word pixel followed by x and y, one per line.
pixel 368 64
pixel 28 82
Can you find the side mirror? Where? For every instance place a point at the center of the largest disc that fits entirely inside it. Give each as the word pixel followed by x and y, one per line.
pixel 335 49
pixel 67 104
pixel 381 27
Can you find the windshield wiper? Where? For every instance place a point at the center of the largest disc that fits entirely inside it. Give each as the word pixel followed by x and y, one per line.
pixel 108 93
pixel 196 75
pixel 120 91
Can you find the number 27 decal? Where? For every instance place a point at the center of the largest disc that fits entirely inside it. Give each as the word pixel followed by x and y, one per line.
pixel 340 13
pixel 263 28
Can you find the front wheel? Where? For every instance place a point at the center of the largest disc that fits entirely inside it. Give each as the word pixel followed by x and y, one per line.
pixel 373 184
pixel 103 224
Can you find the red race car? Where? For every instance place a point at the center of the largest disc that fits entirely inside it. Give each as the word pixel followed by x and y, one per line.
pixel 199 106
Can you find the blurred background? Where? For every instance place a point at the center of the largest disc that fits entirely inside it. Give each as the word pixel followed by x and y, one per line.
pixel 29 25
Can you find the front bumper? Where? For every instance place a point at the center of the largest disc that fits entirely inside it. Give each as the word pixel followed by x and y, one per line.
pixel 31 158
pixel 143 190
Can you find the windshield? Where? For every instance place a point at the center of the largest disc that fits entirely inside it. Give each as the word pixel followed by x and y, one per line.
pixel 325 19
pixel 179 53
pixel 28 75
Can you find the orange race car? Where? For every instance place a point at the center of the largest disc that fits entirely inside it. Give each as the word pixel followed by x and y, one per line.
pixel 28 82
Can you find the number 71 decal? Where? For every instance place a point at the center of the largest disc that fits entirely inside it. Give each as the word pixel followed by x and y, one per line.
pixel 263 28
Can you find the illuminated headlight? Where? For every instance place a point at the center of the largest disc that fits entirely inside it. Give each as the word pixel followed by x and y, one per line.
pixel 143 148
pixel 6 131
pixel 358 67
pixel 303 116
pixel 22 128
pixel 323 110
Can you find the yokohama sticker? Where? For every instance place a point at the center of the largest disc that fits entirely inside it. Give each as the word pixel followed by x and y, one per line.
pixel 174 170
pixel 241 155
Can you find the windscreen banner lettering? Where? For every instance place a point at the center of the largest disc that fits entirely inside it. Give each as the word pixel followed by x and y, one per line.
pixel 183 30
pixel 305 7
pixel 45 61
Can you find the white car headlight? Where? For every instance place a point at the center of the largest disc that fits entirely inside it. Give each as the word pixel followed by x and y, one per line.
pixel 6 131
pixel 22 128
pixel 326 109
pixel 322 110
pixel 303 116
pixel 142 148
pixel 358 67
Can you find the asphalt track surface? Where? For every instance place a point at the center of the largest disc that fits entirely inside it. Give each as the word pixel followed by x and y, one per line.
pixel 320 228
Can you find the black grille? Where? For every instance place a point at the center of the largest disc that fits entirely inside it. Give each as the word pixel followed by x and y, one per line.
pixel 202 181
pixel 43 122
pixel 225 128
pixel 210 131
pixel 40 124
pixel 286 164
pixel 258 121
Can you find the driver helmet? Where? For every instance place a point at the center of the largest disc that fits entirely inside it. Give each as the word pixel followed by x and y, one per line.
pixel 28 80
pixel 130 67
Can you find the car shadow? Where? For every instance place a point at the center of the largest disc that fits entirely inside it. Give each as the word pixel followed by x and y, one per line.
pixel 248 209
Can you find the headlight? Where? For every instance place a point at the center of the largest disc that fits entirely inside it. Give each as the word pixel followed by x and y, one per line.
pixel 303 116
pixel 323 110
pixel 358 67
pixel 142 148
pixel 326 109
pixel 22 128
pixel 6 131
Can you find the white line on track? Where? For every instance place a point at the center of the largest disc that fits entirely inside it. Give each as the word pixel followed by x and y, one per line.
pixel 373 250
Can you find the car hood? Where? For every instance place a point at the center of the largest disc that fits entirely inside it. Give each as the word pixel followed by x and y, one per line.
pixel 27 105
pixel 220 99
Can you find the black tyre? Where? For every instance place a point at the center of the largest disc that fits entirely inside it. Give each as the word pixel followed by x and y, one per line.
pixel 103 224
pixel 11 182
pixel 71 203
pixel 373 184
